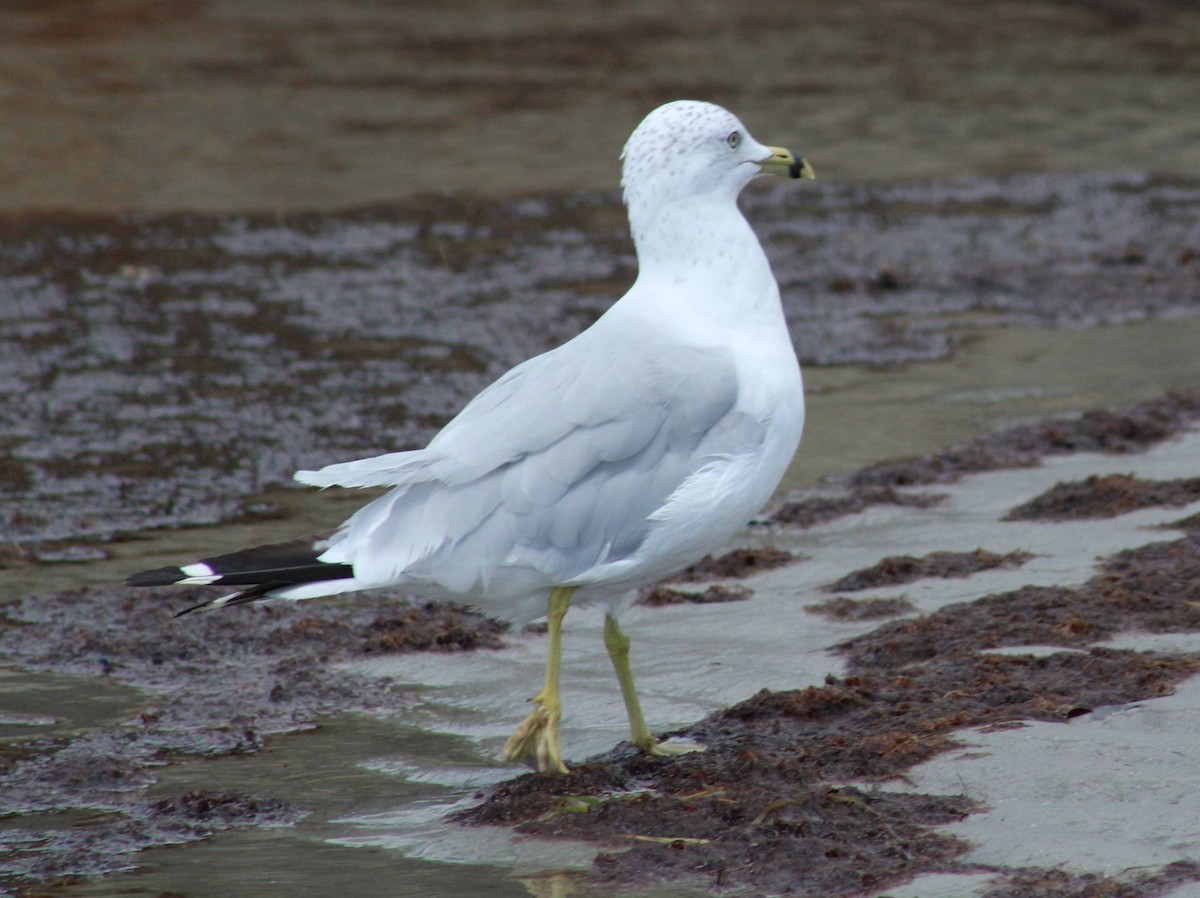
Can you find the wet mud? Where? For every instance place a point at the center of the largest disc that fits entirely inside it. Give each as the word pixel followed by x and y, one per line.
pixel 1102 430
pixel 79 805
pixel 735 564
pixel 782 799
pixel 755 811
pixel 732 565
pixel 665 595
pixel 1063 884
pixel 97 842
pixel 758 810
pixel 842 608
pixel 1109 431
pixel 162 371
pixel 1105 497
pixel 433 626
pixel 897 569
pixel 813 510
pixel 1191 522
pixel 1154 588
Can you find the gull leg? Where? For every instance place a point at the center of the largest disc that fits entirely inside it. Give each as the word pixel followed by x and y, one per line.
pixel 537 736
pixel 617 644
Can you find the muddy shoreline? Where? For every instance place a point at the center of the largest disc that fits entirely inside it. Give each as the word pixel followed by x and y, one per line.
pixel 240 239
pixel 767 808
pixel 788 774
pixel 156 369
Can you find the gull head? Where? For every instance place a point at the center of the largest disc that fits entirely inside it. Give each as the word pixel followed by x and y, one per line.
pixel 691 149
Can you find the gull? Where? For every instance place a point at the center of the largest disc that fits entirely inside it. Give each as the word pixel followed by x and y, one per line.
pixel 606 464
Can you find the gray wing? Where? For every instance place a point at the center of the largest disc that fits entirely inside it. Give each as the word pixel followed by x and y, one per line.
pixel 618 386
pixel 556 467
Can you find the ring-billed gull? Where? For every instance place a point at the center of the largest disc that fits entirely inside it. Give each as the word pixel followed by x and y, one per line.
pixel 606 464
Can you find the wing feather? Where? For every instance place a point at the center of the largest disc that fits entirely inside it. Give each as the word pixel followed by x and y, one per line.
pixel 557 467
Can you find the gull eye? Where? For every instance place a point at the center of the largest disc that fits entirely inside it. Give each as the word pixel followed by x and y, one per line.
pixel 734 139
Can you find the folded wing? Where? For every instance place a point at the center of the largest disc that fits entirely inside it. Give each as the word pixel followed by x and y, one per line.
pixel 556 468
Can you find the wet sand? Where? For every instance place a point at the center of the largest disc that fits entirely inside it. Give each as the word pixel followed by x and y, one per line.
pixel 211 216
pixel 168 370
pixel 783 797
pixel 777 765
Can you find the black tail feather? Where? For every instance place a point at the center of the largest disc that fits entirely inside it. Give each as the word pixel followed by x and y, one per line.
pixel 245 597
pixel 263 569
pixel 286 576
pixel 295 554
pixel 162 576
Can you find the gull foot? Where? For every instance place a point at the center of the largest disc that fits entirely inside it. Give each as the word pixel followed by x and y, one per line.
pixel 536 739
pixel 669 748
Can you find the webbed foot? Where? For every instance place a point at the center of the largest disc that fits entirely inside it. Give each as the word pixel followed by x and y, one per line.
pixel 669 748
pixel 536 739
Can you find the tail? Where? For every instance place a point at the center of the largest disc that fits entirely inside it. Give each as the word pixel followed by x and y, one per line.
pixel 288 570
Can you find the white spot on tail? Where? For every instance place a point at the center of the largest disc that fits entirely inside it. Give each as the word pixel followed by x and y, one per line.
pixel 198 574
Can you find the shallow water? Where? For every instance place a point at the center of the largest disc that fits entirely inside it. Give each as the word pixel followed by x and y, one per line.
pixel 858 415
pixel 326 771
pixel 309 104
pixel 47 706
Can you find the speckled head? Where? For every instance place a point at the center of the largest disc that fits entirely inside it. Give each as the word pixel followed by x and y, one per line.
pixel 689 148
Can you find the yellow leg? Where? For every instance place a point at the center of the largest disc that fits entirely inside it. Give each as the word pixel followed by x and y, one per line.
pixel 537 736
pixel 617 644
